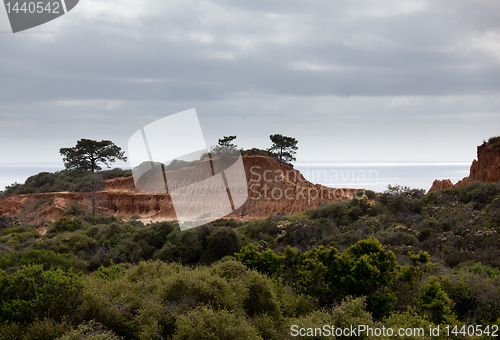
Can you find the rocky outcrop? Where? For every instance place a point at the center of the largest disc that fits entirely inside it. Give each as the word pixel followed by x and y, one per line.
pixel 273 188
pixel 487 166
pixel 441 185
pixel 485 169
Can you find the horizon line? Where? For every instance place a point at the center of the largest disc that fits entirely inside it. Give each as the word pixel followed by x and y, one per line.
pixel 354 164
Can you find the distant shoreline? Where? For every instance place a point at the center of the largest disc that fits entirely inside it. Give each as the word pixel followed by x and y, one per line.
pixel 418 175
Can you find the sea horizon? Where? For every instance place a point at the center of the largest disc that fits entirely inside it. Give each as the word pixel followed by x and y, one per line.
pixel 377 176
pixel 343 174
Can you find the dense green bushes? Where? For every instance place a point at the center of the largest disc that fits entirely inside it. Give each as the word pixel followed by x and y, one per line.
pixel 32 293
pixel 172 300
pixel 47 258
pixel 475 291
pixel 434 303
pixel 64 180
pixel 39 329
pixel 18 236
pixel 204 323
pixel 65 224
pixel 156 300
pixel 327 275
pixel 376 260
pixel 478 194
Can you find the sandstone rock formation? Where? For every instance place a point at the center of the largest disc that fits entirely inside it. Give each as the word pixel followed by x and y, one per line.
pixel 440 185
pixel 273 188
pixel 487 166
pixel 485 169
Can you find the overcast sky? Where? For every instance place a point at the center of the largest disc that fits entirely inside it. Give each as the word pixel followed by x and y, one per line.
pixel 384 80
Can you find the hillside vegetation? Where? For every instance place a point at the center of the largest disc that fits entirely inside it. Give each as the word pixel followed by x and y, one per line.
pixel 399 259
pixel 65 180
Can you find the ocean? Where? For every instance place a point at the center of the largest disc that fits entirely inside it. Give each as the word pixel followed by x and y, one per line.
pixel 377 176
pixel 10 173
pixel 371 176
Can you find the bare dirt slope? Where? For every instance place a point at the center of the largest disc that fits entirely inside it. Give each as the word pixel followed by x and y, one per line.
pixel 273 188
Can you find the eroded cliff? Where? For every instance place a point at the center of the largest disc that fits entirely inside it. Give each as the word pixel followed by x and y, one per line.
pixel 486 168
pixel 273 188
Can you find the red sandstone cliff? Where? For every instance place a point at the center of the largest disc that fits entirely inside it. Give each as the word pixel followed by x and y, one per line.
pixel 485 169
pixel 272 188
pixel 441 185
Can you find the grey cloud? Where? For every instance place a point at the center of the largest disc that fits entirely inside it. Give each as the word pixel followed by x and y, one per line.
pixel 254 68
pixel 402 54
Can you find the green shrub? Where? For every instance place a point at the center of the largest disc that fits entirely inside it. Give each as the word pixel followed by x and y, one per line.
pixel 324 273
pixel 366 267
pixel 127 249
pixel 108 234
pixel 183 247
pixel 32 293
pixel 190 288
pixel 204 323
pixel 336 211
pixel 311 321
pixel 11 330
pixel 381 303
pixel 254 229
pixel 494 142
pixel 476 268
pixel 434 304
pixel 75 209
pixel 403 201
pixel 76 242
pixel 65 180
pixel 493 210
pixel 231 223
pixel 305 234
pixel 424 234
pixel 99 219
pixel 475 292
pixel 50 260
pixel 265 262
pixel 109 303
pixel 222 242
pixel 229 269
pixel 267 327
pixel 65 224
pixel 38 182
pixel 350 313
pixel 156 234
pixel 79 241
pixel 112 272
pixel 292 304
pixel 413 321
pixel 46 329
pixel 261 298
pixel 90 331
pixel 480 194
pixel 147 300
pixel 18 236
